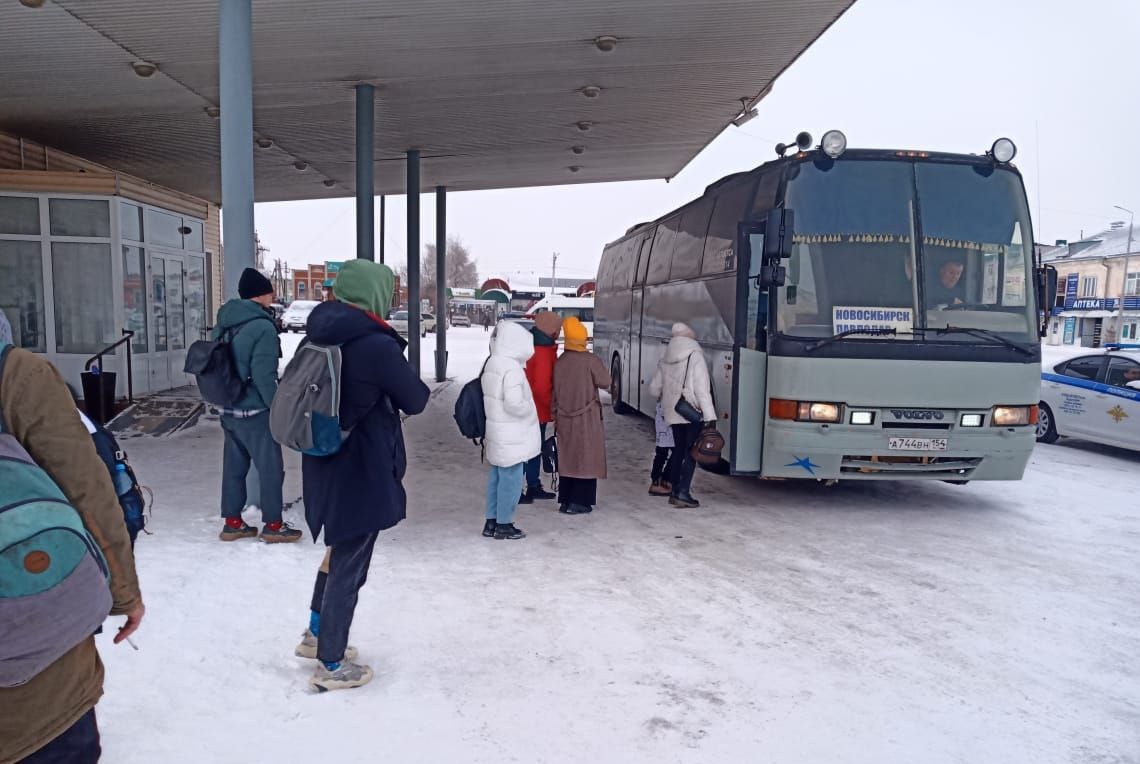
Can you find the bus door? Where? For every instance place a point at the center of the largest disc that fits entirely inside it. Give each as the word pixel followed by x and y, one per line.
pixel 632 368
pixel 758 271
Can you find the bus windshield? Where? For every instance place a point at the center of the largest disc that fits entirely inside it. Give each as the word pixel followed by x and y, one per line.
pixel 908 247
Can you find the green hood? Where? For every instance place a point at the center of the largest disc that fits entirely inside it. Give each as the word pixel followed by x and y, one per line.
pixel 367 285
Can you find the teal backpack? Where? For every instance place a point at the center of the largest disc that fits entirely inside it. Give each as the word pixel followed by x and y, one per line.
pixel 54 581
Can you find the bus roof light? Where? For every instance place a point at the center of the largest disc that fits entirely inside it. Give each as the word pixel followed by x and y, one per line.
pixel 834 143
pixel 1003 151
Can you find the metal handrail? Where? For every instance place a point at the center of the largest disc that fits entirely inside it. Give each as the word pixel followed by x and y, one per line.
pixel 98 358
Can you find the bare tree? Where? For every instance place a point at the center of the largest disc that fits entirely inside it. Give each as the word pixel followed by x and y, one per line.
pixel 462 269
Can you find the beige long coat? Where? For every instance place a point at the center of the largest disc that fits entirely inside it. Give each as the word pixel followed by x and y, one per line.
pixel 578 415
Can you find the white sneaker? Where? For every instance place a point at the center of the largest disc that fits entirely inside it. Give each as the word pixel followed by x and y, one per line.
pixel 346 676
pixel 308 648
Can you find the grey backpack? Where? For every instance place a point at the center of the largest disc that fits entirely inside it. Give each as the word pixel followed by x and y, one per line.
pixel 305 414
pixel 54 589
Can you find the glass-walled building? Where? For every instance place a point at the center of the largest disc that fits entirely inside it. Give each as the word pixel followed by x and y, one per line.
pixel 77 270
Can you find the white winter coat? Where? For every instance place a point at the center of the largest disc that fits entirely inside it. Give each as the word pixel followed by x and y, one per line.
pixel 670 380
pixel 513 435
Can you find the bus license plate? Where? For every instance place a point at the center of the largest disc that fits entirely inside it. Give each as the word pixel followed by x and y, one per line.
pixel 917 444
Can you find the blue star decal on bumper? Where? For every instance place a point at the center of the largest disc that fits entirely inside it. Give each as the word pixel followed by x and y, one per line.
pixel 806 463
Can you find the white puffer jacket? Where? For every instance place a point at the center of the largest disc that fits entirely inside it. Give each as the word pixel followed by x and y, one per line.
pixel 670 381
pixel 513 436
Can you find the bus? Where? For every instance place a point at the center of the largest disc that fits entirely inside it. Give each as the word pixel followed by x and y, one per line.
pixel 865 314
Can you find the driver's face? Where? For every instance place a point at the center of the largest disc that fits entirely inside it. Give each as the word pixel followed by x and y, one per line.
pixel 1132 375
pixel 950 274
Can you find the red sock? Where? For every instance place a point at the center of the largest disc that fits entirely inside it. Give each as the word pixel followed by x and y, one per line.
pixel 273 526
pixel 233 522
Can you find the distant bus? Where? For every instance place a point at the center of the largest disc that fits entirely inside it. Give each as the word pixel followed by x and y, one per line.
pixel 865 314
pixel 581 308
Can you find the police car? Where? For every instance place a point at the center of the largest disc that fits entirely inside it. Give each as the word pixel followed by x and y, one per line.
pixel 1094 397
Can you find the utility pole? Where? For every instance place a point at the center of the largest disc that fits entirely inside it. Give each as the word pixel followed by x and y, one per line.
pixel 553 274
pixel 1124 281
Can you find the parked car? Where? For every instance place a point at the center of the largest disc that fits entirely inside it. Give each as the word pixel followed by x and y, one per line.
pixel 461 319
pixel 278 312
pixel 1094 397
pixel 427 320
pixel 399 322
pixel 296 316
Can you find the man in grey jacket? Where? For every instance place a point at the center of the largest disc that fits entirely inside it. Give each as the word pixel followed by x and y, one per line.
pixel 253 339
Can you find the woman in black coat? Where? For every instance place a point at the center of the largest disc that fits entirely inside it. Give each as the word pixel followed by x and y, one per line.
pixel 357 492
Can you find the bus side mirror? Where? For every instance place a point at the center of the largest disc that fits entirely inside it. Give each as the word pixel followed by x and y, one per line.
pixel 1046 295
pixel 771 276
pixel 779 229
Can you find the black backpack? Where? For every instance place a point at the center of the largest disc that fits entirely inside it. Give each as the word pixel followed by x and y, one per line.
pixel 212 363
pixel 123 477
pixel 470 414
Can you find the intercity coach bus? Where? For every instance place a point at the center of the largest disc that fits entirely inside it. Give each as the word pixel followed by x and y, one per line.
pixel 865 314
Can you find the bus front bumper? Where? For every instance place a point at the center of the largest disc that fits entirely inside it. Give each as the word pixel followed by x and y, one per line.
pixel 842 452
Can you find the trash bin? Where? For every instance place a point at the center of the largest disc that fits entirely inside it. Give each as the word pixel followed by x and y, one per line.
pixel 99 395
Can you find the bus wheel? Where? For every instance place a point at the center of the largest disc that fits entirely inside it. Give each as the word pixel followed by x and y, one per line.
pixel 620 406
pixel 1046 425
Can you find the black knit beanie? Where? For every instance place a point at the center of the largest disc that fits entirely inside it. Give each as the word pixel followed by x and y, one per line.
pixel 253 284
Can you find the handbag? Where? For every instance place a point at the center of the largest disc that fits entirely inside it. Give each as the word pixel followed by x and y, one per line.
pixel 709 446
pixel 684 409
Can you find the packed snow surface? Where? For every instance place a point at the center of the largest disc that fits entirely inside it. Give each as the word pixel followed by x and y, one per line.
pixel 780 622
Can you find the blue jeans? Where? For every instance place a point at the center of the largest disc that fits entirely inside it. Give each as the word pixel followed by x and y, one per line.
pixel 78 744
pixel 534 466
pixel 504 486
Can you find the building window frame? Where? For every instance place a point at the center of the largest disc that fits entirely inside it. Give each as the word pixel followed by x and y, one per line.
pixel 1089 286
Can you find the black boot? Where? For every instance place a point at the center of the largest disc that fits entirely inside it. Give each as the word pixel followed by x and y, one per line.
pixel 508 531
pixel 526 498
pixel 537 492
pixel 489 528
pixel 681 497
pixel 575 509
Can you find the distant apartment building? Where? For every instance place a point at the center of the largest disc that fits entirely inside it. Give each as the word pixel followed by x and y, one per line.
pixel 1091 282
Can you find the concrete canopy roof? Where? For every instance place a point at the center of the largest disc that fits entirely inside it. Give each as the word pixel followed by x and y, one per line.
pixel 490 91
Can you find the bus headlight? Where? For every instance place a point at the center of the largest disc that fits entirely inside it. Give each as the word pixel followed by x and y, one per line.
pixel 833 143
pixel 1003 150
pixel 862 417
pixel 1013 416
pixel 972 420
pixel 805 411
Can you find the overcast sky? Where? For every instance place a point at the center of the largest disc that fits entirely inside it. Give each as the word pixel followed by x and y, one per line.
pixel 1062 79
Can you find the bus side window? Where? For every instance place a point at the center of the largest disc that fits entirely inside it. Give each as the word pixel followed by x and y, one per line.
pixel 688 251
pixel 662 256
pixel 643 261
pixel 730 209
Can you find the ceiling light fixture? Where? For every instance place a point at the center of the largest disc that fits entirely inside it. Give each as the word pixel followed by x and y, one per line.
pixel 328 183
pixel 264 143
pixel 605 43
pixel 574 168
pixel 584 126
pixel 578 149
pixel 591 91
pixel 32 3
pixel 144 69
pixel 213 112
pixel 300 165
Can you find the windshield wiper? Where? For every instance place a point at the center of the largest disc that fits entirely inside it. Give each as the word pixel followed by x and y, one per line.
pixel 874 331
pixel 984 334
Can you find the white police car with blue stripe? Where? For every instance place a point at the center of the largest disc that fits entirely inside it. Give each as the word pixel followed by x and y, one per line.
pixel 1094 397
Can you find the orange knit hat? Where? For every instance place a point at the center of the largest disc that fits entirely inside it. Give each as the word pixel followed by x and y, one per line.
pixel 575 334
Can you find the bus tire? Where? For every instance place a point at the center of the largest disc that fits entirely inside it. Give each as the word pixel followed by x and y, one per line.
pixel 1046 424
pixel 620 406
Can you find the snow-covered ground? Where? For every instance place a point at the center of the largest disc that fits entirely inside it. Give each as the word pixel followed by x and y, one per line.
pixel 781 622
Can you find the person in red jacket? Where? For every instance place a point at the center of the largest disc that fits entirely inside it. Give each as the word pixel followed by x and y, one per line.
pixel 540 374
